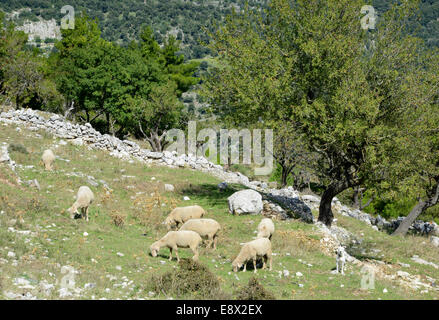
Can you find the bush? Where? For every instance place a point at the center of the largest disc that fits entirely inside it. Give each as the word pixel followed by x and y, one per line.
pixel 254 291
pixel 191 278
pixel 118 220
pixel 13 147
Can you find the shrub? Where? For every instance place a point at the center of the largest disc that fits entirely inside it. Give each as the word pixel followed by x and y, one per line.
pixel 118 220
pixel 254 291
pixel 14 147
pixel 191 278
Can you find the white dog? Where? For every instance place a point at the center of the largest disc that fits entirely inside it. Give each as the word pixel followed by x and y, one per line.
pixel 341 259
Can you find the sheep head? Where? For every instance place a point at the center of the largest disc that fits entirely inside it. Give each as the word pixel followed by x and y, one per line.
pixel 236 265
pixel 170 223
pixel 155 247
pixel 73 210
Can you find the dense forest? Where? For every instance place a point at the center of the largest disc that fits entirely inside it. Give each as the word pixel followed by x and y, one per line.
pixel 187 20
pixel 121 20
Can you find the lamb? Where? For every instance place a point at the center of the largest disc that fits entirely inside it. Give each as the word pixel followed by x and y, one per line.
pixel 84 199
pixel 48 158
pixel 182 214
pixel 265 228
pixel 341 259
pixel 251 251
pixel 205 228
pixel 178 239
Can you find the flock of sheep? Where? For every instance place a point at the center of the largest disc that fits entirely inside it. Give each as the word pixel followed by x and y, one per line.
pixel 191 228
pixel 194 227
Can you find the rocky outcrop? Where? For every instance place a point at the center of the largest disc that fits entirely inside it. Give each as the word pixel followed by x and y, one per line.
pixel 43 29
pixel 290 200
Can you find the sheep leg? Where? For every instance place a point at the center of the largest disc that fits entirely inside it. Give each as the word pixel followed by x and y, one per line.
pixel 215 240
pixel 195 251
pixel 210 239
pixel 245 266
pixel 86 214
pixel 254 264
pixel 337 266
pixel 269 258
pixel 176 253
pixel 170 254
pixel 264 259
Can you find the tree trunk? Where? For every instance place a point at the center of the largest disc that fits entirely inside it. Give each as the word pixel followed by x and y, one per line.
pixel 69 108
pixel 107 117
pixel 356 201
pixel 325 211
pixel 418 210
pixel 408 221
pixel 285 172
pixel 155 142
pixel 367 203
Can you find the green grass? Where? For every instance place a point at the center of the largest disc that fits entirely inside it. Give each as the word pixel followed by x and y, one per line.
pixel 143 204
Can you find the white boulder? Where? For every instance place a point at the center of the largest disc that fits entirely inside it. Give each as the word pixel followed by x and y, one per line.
pixel 245 201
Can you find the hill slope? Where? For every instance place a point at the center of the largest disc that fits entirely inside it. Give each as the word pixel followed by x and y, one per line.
pixel 40 243
pixel 122 20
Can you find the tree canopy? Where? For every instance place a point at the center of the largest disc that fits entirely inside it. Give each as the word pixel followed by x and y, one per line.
pixel 349 91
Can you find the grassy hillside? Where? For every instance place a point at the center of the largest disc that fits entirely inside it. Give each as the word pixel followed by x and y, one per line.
pixel 38 238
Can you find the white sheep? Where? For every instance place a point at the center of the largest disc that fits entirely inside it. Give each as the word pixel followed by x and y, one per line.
pixel 182 214
pixel 251 251
pixel 84 199
pixel 205 228
pixel 48 158
pixel 178 239
pixel 265 228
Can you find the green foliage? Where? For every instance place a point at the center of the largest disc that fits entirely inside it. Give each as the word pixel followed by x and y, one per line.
pixel 391 209
pixel 16 147
pixel 23 71
pixel 135 89
pixel 152 118
pixel 350 93
pixel 277 176
pixel 119 20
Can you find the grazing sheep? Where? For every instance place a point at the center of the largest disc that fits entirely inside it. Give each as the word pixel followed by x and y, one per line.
pixel 205 228
pixel 251 251
pixel 341 259
pixel 48 158
pixel 182 214
pixel 265 228
pixel 178 239
pixel 83 200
